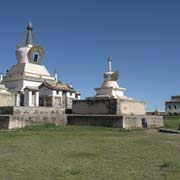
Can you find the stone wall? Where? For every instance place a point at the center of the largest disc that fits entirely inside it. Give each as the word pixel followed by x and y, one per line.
pixel 37 110
pixel 4 122
pixel 6 110
pixel 131 107
pixel 6 99
pixel 136 121
pixel 94 106
pixel 95 120
pixel 18 117
pixel 20 121
pixel 132 122
pixel 155 121
pixel 108 106
pixel 123 121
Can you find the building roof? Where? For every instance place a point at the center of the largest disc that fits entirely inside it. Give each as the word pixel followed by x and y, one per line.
pixel 58 86
pixel 172 102
pixel 174 99
pixel 31 88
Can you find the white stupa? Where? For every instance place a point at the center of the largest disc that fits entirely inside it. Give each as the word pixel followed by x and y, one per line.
pixel 110 87
pixel 28 71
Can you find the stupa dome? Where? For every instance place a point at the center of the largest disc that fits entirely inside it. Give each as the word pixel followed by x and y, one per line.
pixel 110 84
pixel 26 43
pixel 22 54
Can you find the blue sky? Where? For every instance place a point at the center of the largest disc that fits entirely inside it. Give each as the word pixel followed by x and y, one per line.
pixel 142 36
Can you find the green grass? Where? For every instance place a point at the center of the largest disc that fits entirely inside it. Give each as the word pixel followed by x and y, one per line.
pixel 50 152
pixel 172 122
pixel 172 165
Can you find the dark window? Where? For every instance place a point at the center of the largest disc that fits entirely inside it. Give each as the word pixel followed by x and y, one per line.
pixel 36 57
pixel 175 107
pixel 21 99
pixel 41 101
pixel 169 107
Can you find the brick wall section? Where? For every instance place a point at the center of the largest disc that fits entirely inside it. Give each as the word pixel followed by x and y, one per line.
pixel 108 106
pixel 155 121
pixel 131 107
pixel 6 99
pixel 136 121
pixel 95 120
pixel 6 110
pixel 123 121
pixel 4 122
pixel 19 117
pixel 20 121
pixel 100 106
pixel 37 110
pixel 132 122
pixel 22 110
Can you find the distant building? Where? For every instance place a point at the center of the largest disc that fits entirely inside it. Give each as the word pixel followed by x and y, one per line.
pixel 156 112
pixel 172 107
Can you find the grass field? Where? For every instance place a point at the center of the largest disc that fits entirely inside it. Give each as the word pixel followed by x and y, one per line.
pixel 172 122
pixel 88 153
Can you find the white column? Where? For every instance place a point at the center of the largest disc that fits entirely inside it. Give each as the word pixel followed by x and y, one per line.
pixel 26 98
pixel 79 97
pixel 1 77
pixel 37 98
pixel 30 98
pixel 17 100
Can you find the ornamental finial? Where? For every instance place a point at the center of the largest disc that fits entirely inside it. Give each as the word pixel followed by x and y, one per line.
pixel 29 41
pixel 29 26
pixel 109 64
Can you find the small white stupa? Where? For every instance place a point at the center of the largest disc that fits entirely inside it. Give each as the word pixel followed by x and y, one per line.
pixel 109 99
pixel 110 87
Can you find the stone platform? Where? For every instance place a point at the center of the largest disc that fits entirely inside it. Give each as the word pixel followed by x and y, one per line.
pixel 116 121
pixel 108 106
pixel 19 117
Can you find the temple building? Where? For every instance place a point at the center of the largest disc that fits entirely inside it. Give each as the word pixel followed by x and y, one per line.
pixel 29 81
pixel 30 95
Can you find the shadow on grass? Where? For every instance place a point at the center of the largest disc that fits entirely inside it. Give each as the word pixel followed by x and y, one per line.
pixel 57 128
